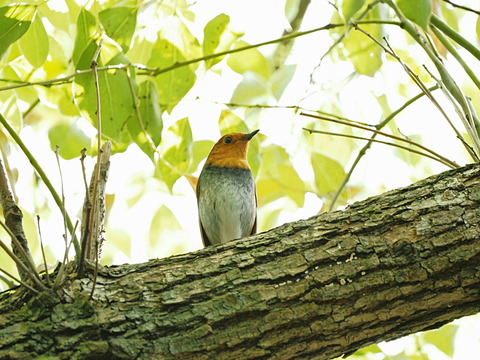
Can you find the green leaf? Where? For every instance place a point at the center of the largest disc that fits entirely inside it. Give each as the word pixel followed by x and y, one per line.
pixel 119 24
pixel 10 111
pixel 328 174
pixel 85 45
pixel 70 140
pixel 418 11
pixel 280 79
pixel 35 44
pixel 217 38
pixel 163 228
pixel 248 60
pixel 350 8
pixel 477 28
pixel 252 90
pixel 150 113
pixel 173 84
pixel 442 338
pixel 150 122
pixel 372 349
pixel 116 99
pixel 14 23
pixel 176 159
pixel 279 180
pixel 200 151
pixel 365 55
pixel 228 122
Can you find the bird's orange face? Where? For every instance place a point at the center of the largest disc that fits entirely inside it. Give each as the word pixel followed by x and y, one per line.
pixel 231 151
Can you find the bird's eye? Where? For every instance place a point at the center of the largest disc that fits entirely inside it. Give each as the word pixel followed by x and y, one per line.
pixel 227 140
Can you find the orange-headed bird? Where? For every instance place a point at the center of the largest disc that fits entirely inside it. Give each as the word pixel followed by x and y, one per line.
pixel 226 197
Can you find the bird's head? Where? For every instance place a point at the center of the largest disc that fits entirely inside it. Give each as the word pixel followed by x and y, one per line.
pixel 231 151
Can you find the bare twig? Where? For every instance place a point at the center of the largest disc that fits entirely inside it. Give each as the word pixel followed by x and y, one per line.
pixel 26 268
pixel 426 151
pixel 447 79
pixel 47 275
pixel 41 174
pixel 463 7
pixel 19 281
pixel 380 142
pixel 64 211
pixel 61 270
pixel 363 151
pixel 389 50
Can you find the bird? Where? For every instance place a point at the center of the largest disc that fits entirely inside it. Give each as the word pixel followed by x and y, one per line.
pixel 226 192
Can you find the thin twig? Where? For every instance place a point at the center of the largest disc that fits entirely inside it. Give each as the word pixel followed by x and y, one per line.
pixel 463 7
pixel 64 211
pixel 363 151
pixel 389 50
pixel 380 142
pixel 447 79
pixel 156 71
pixel 40 173
pixel 433 155
pixel 30 270
pixel 47 275
pixel 19 281
pixel 61 270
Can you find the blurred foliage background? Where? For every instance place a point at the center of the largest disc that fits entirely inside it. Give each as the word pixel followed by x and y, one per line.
pixel 176 75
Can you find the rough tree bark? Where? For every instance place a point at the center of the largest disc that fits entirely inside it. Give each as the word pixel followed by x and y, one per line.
pixel 391 265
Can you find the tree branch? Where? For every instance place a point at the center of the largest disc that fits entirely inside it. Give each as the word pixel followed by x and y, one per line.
pixel 394 264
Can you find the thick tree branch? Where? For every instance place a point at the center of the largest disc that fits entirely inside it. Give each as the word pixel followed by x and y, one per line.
pixel 391 265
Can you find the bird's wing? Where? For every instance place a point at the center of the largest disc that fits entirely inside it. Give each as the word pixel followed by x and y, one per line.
pixel 254 227
pixel 205 239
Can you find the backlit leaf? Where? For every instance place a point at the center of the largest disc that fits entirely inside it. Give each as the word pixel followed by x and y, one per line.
pixel 165 227
pixel 119 24
pixel 176 158
pixel 217 38
pixel 280 79
pixel 14 23
pixel 150 122
pixel 248 60
pixel 365 55
pixel 115 96
pixel 175 83
pixel 477 28
pixel 85 46
pixel 200 150
pixel 418 11
pixel 328 174
pixel 350 7
pixel 252 90
pixel 70 140
pixel 228 122
pixel 34 43
pixel 442 338
pixel 279 178
pixel 10 110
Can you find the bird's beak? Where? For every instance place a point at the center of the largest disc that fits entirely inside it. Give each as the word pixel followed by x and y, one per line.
pixel 250 136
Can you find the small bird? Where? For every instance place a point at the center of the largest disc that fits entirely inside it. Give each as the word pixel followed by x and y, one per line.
pixel 226 197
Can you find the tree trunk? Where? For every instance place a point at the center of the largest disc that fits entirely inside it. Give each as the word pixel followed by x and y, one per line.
pixel 388 266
